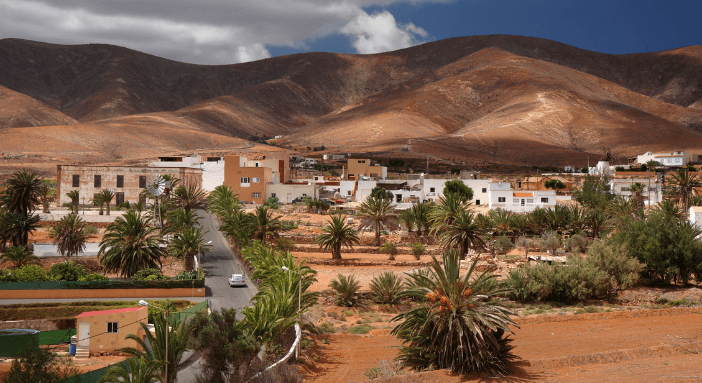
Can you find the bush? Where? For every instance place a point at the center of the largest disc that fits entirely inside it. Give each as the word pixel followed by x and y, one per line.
pixel 285 244
pixel 576 244
pixel 360 329
pixel 386 288
pixel 346 290
pixel 288 224
pixel 417 249
pixel 7 276
pixel 94 277
pixel 143 275
pixel 31 273
pixel 186 275
pixel 550 241
pixel 503 244
pixel 91 230
pixel 272 203
pixel 390 249
pixel 517 284
pixel 67 271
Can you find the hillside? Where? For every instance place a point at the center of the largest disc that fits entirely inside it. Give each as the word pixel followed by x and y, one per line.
pixel 479 100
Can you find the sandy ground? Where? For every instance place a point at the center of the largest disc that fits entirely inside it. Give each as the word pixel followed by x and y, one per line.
pixel 645 345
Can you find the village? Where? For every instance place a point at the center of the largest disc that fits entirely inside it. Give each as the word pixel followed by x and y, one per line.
pixel 357 239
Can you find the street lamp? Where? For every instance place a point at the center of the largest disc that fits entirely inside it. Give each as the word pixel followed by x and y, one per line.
pixel 145 303
pixel 299 305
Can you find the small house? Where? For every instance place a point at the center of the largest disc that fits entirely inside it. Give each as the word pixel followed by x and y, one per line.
pixel 106 331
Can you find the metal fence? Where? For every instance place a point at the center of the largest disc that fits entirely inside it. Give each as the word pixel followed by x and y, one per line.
pixel 11 345
pixel 55 337
pixel 176 317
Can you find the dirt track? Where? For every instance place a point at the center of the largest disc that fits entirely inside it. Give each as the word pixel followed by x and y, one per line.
pixel 643 345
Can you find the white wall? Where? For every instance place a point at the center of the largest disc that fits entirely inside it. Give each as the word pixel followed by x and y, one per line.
pixel 696 217
pixel 287 192
pixel 212 175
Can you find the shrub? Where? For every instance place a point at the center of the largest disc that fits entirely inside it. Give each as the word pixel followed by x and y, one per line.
pixel 67 271
pixel 360 329
pixel 289 224
pixel 503 244
pixel 31 273
pixel 576 244
pixel 94 277
pixel 346 289
pixel 524 243
pixel 386 288
pixel 285 244
pixel 7 276
pixel 389 249
pixel 517 284
pixel 417 249
pixel 143 275
pixel 90 230
pixel 550 241
pixel 272 203
pixel 186 275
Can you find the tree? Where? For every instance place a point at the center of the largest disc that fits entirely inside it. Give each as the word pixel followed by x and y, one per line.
pixel 178 220
pixel 457 187
pixel 21 192
pixel 19 256
pixel 681 185
pixel 462 233
pixel 99 200
pixel 502 221
pixel 637 195
pixel 47 192
pixel 335 234
pixel 380 193
pixel 458 324
pixel 18 226
pixel 594 192
pixel 133 370
pixel 445 212
pixel 107 196
pixel 38 365
pixel 223 201
pixel 130 244
pixel 189 197
pixel 407 219
pixel 375 213
pixel 264 225
pixel 238 228
pixel 70 236
pixel 555 185
pixel 188 244
pixel 420 212
pixel 178 337
pixel 74 196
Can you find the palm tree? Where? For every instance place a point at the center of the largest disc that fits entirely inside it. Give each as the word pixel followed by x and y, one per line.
pixel 463 232
pixel 446 210
pixel 337 233
pixel 99 200
pixel 19 256
pixel 74 196
pixel 187 244
pixel 223 201
pixel 178 220
pixel 597 221
pixel 69 235
pixel 458 324
pixel 178 337
pixel 538 220
pixel 407 219
pixel 558 218
pixel 502 221
pixel 130 244
pixel 134 370
pixel 189 197
pixel 577 219
pixel 375 212
pixel 681 187
pixel 107 196
pixel 18 226
pixel 637 194
pixel 263 225
pixel 21 192
pixel 420 212
pixel 670 211
pixel 47 192
pixel 237 227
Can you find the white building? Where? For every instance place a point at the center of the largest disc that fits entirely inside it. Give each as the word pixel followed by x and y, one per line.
pixel 286 193
pixel 212 168
pixel 696 216
pixel 622 187
pixel 503 197
pixel 676 158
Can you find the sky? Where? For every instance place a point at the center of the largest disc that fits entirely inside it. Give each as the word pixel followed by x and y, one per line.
pixel 234 31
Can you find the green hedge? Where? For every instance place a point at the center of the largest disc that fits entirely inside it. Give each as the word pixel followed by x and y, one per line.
pixel 58 285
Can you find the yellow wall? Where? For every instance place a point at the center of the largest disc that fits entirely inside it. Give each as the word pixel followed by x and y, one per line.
pixel 103 293
pixel 233 173
pixel 101 341
pixel 358 166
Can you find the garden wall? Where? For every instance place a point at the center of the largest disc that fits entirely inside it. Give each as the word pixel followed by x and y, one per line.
pixel 103 293
pixel 40 324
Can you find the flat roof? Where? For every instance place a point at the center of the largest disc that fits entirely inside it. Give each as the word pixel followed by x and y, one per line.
pixel 108 312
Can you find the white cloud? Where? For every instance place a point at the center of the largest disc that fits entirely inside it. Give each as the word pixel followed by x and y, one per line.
pixel 380 32
pixel 206 31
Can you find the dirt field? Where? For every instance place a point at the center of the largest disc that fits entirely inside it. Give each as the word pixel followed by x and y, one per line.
pixel 644 345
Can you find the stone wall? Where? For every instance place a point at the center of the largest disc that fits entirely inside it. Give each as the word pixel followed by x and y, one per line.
pixel 40 324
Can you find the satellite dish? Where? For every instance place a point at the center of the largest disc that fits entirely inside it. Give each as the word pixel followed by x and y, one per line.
pixel 156 186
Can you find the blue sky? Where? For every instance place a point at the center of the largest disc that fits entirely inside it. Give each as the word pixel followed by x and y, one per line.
pixel 232 31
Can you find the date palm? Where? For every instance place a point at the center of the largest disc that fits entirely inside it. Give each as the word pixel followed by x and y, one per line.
pixel 178 220
pixel 458 323
pixel 18 256
pixel 74 196
pixel 502 221
pixel 463 232
pixel 263 225
pixel 420 212
pixel 445 212
pixel 107 196
pixel 17 227
pixel 130 244
pixel 134 370
pixel 237 227
pixel 189 197
pixel 47 192
pixel 187 244
pixel 223 201
pixel 406 218
pixel 375 212
pixel 681 186
pixel 21 192
pixel 70 236
pixel 335 234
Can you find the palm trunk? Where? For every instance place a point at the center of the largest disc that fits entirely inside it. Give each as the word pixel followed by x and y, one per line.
pixel 377 234
pixel 336 252
pixel 45 205
pixel 189 262
pixel 463 249
pixel 108 208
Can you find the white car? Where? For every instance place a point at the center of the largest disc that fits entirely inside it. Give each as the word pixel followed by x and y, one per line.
pixel 237 280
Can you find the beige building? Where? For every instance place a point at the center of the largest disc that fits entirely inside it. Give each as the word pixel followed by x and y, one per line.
pixel 249 175
pixel 106 331
pixel 126 181
pixel 363 166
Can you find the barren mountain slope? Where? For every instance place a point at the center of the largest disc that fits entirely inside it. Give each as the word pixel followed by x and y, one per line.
pixel 18 110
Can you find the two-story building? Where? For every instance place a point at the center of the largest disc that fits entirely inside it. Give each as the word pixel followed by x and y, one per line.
pixel 503 197
pixel 363 166
pixel 212 167
pixel 672 159
pixel 249 176
pixel 652 188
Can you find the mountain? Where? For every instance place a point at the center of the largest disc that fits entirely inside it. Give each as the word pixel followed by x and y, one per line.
pixel 476 100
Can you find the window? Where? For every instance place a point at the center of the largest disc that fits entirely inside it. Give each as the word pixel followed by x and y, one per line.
pixel 348 192
pixel 477 202
pixel 97 181
pixel 530 201
pixel 398 198
pixel 516 201
pixel 257 164
pixel 273 195
pixel 119 198
pixel 625 188
pixel 484 190
pixel 544 200
pixel 112 327
pixel 256 195
pixel 501 199
pixel 120 181
pixel 256 179
pixel 76 180
pixel 304 194
pixel 245 180
pixel 362 161
pixel 142 182
pixel 432 190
